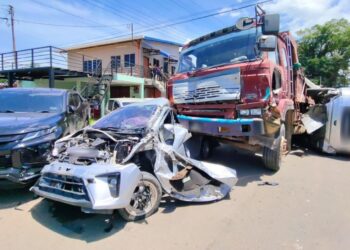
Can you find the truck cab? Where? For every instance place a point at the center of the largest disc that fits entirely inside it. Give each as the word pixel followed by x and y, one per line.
pixel 241 84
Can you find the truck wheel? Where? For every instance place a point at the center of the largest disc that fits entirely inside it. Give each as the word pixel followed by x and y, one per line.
pixel 272 158
pixel 145 200
pixel 206 149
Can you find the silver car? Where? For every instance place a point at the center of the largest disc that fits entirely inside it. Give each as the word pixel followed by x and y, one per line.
pixel 127 161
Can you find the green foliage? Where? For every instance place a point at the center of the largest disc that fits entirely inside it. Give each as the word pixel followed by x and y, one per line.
pixel 324 51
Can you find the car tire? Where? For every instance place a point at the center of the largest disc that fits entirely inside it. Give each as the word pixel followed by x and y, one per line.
pixel 145 201
pixel 272 158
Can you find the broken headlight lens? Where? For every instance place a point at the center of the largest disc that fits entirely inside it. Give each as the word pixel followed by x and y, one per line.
pixel 40 133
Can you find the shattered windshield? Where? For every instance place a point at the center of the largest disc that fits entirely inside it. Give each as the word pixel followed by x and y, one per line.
pixel 231 48
pixel 127 118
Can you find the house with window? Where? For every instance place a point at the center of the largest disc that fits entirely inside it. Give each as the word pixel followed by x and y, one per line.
pixel 139 66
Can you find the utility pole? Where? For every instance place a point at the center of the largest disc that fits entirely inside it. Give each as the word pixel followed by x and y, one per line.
pixel 132 33
pixel 12 14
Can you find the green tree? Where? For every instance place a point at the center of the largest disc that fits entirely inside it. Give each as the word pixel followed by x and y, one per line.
pixel 324 51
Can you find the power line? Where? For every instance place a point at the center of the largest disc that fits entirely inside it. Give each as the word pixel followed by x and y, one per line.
pixel 67 25
pixel 67 13
pixel 184 21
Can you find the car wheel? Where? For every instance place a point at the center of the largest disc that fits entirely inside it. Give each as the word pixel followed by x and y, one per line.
pixel 145 200
pixel 272 158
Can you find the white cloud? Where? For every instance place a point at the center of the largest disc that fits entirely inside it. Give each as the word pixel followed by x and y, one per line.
pixel 227 12
pixel 300 14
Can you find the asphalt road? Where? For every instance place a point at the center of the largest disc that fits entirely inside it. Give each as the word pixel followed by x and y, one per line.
pixel 308 209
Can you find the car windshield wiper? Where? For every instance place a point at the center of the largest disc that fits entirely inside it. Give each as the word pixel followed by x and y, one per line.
pixel 7 111
pixel 43 111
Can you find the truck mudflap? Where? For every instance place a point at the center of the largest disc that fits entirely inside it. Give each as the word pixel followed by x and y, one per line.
pixel 223 127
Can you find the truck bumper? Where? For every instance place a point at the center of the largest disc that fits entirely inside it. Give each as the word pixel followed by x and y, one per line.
pixel 223 127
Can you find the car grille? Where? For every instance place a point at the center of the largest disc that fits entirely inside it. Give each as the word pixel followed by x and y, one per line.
pixel 5 160
pixel 67 186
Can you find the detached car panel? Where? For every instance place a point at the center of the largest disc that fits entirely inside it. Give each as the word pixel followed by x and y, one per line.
pixel 31 120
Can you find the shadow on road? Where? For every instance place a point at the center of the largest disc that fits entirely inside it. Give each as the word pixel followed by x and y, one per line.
pixel 249 167
pixel 302 148
pixel 71 222
pixel 14 198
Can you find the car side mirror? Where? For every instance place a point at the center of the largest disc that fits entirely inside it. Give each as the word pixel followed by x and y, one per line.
pixel 71 109
pixel 267 43
pixel 271 24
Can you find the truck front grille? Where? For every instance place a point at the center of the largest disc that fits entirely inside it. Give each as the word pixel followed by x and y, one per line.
pixel 64 185
pixel 216 87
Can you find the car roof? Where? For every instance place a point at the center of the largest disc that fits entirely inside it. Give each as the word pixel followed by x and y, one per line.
pixel 36 90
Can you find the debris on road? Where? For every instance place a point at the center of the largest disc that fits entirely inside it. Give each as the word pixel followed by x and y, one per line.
pixel 268 183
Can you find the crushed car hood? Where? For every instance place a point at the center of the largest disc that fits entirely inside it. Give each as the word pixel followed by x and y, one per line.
pixel 19 123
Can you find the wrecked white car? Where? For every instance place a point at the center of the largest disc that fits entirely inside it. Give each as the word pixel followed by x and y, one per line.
pixel 127 160
pixel 328 122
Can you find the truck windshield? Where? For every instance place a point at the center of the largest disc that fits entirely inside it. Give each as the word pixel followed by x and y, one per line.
pixel 230 48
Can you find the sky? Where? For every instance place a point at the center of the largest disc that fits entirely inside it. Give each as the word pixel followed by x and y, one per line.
pixel 64 23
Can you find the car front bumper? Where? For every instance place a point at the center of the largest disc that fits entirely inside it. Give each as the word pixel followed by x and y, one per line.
pixel 87 186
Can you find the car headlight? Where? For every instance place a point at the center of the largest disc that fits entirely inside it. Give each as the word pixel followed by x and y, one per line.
pixel 113 184
pixel 40 133
pixel 113 181
pixel 252 112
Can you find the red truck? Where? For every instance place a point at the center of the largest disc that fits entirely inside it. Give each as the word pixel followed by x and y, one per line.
pixel 242 85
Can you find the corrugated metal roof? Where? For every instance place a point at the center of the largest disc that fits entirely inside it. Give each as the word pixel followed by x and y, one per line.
pixel 121 40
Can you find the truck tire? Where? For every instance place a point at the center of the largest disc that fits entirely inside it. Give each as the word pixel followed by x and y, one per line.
pixel 289 130
pixel 272 158
pixel 145 200
pixel 206 149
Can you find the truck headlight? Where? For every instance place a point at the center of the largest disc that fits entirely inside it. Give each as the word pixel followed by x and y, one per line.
pixel 255 112
pixel 244 112
pixel 250 112
pixel 40 133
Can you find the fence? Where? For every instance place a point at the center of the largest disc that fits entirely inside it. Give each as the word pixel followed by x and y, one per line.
pixel 44 57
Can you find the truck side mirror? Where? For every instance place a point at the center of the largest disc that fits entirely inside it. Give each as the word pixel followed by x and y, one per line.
pixel 271 24
pixel 267 43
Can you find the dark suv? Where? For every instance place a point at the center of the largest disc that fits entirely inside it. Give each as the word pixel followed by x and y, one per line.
pixel 30 122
